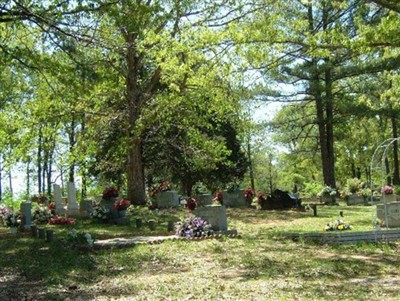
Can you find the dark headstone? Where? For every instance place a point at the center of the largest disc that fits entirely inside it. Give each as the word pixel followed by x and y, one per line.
pixel 281 200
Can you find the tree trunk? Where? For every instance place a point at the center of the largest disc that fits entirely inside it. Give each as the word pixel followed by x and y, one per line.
pixel 39 160
pixel 28 177
pixel 10 182
pixel 135 172
pixel 251 172
pixel 136 188
pixel 353 170
pixel 71 134
pixel 396 173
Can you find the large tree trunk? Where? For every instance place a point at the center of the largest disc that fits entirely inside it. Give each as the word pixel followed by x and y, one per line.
pixel 136 188
pixel 396 173
pixel 135 172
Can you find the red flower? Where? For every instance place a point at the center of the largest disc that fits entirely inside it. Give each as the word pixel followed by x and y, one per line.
pixel 122 204
pixel 110 192
pixel 191 204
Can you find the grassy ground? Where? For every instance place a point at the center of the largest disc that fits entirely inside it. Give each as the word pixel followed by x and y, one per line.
pixel 259 266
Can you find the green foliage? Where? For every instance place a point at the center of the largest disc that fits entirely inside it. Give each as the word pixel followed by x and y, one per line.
pixel 311 189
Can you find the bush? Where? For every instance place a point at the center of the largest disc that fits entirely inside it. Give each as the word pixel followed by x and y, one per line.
pixel 311 189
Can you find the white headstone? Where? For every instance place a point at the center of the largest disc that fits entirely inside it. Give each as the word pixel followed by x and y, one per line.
pixel 73 207
pixel 58 202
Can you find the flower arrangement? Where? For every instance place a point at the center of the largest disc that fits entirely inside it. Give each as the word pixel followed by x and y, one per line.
pixel 261 200
pixel 122 204
pixel 41 215
pixel 387 189
pixel 52 207
pixel 327 191
pixel 158 188
pixel 110 192
pixel 337 225
pixel 249 195
pixel 365 192
pixel 193 227
pixel 100 213
pixel 60 220
pixel 12 219
pixel 80 238
pixel 4 211
pixel 218 198
pixel 39 198
pixel 191 204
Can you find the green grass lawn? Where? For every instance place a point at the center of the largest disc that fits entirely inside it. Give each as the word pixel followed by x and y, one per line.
pixel 260 265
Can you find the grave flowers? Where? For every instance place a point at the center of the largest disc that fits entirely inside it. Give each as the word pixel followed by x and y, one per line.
pixel 191 204
pixel 122 204
pixel 100 213
pixel 193 227
pixel 337 225
pixel 41 215
pixel 387 189
pixel 60 220
pixel 80 239
pixel 158 188
pixel 219 198
pixel 110 192
pixel 12 219
pixel 249 195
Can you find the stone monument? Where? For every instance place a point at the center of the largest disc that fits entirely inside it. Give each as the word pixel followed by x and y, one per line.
pixel 72 207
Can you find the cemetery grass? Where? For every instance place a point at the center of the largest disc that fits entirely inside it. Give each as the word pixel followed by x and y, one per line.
pixel 261 265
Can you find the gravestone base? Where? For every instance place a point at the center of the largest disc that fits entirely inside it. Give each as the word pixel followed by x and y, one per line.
pixel 167 199
pixel 393 214
pixel 214 215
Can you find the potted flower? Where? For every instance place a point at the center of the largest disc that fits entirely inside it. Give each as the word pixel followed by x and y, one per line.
pixel 388 193
pixel 121 206
pixel 261 200
pixel 191 204
pixel 13 221
pixel 100 213
pixel 248 196
pixel 218 199
pixel 110 192
pixel 193 227
pixel 41 215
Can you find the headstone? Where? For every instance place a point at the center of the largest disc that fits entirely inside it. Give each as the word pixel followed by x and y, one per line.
pixel 234 199
pixel 72 207
pixel 388 198
pixel 26 210
pixel 108 203
pixel 393 214
pixel 86 207
pixel 281 200
pixel 167 199
pixel 41 233
pixel 355 199
pixel 204 199
pixel 58 201
pixel 214 215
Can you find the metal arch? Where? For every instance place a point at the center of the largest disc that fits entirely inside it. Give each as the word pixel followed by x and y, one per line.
pixel 385 145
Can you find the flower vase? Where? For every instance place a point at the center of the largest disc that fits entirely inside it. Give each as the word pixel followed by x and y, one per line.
pixel 121 213
pixel 13 230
